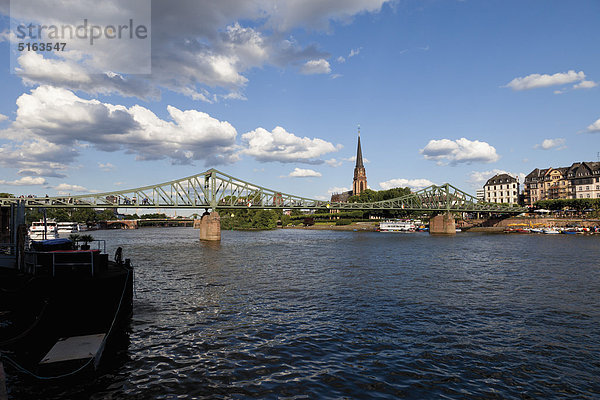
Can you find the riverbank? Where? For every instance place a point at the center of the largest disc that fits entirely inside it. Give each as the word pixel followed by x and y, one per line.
pixel 490 226
pixel 357 226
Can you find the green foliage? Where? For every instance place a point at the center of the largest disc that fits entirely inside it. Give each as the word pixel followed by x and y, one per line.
pixel 105 215
pixel 285 220
pixel 369 195
pixel 569 204
pixel 249 219
pixel 357 214
pixel 69 215
pixel 74 237
pixel 6 195
pixel 86 238
pixel 340 222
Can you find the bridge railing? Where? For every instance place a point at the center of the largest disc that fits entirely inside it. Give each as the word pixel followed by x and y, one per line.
pixel 215 189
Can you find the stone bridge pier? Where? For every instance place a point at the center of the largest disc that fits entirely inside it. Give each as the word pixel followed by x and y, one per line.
pixel 210 226
pixel 442 224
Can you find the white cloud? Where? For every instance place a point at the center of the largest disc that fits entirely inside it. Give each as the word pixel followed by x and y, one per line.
pixel 595 127
pixel 280 145
pixel 304 173
pixel 190 135
pixel 333 163
pixel 67 72
pixel 353 159
pixel 413 184
pixel 478 178
pixel 106 167
pixel 24 181
pixel 354 52
pixel 66 188
pixel 459 151
pixel 36 157
pixel 318 13
pixel 341 59
pixel 199 49
pixel 337 189
pixel 548 144
pixel 534 81
pixel 3 117
pixel 585 85
pixel 320 66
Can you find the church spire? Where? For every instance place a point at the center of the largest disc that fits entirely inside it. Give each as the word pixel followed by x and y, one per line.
pixel 359 158
pixel 359 184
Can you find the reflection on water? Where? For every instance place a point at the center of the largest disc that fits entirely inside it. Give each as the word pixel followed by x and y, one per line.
pixel 317 314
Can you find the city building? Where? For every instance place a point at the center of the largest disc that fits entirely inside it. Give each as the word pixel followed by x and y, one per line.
pixel 480 194
pixel 501 188
pixel 359 182
pixel 579 181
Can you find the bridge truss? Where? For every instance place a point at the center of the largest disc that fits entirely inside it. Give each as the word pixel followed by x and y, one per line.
pixel 216 190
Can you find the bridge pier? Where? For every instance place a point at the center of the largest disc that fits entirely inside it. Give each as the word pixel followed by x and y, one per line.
pixel 442 224
pixel 210 226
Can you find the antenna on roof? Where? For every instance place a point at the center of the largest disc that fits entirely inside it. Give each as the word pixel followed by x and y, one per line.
pixel 359 136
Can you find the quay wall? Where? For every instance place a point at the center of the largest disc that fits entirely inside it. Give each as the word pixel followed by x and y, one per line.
pixel 500 224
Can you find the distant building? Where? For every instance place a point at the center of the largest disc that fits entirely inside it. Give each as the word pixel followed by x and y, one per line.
pixel 579 181
pixel 359 183
pixel 480 194
pixel 501 188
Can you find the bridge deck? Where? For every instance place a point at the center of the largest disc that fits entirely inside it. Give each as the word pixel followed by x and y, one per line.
pixel 217 190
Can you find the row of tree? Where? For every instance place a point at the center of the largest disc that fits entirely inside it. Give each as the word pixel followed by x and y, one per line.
pixel 570 204
pixel 242 219
pixel 82 215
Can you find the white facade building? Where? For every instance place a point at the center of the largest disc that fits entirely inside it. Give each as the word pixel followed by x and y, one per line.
pixel 501 188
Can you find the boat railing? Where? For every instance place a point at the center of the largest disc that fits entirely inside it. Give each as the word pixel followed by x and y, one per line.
pixel 50 262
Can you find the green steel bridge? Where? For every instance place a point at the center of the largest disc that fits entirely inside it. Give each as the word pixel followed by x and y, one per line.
pixel 216 190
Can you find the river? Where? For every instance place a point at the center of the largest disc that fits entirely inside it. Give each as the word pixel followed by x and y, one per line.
pixel 328 314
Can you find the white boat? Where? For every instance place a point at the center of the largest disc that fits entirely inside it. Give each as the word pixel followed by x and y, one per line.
pixel 67 228
pixel 550 231
pixel 41 231
pixel 82 227
pixel 397 226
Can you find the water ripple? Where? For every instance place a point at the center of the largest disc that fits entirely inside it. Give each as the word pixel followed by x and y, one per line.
pixel 314 314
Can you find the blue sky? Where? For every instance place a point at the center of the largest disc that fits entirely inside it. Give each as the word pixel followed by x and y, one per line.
pixel 273 91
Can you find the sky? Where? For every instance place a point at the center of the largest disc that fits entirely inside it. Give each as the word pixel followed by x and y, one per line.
pixel 273 92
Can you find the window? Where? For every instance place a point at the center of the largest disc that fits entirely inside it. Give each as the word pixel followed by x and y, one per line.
pixel 587 188
pixel 588 195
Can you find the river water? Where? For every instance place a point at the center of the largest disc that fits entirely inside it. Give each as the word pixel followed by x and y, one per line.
pixel 328 314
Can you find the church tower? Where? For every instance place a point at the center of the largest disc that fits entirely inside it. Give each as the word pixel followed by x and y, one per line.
pixel 359 184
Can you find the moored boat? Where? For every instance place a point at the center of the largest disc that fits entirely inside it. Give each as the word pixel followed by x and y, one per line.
pixel 43 230
pixel 60 310
pixel 397 226
pixel 64 229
